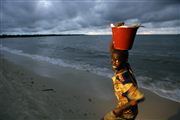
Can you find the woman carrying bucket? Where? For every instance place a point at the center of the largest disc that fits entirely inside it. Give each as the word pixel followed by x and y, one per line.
pixel 124 82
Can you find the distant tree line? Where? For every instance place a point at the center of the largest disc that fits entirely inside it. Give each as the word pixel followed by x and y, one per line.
pixel 38 35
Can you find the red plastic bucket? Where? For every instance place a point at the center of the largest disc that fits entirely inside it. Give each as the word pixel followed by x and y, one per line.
pixel 123 37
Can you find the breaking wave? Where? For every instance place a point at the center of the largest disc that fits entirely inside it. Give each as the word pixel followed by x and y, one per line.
pixel 160 88
pixel 56 61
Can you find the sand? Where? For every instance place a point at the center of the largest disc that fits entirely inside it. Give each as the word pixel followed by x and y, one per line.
pixel 57 93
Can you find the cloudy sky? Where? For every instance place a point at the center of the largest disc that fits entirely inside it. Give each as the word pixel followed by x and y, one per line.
pixel 87 16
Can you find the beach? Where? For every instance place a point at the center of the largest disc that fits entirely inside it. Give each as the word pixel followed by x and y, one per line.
pixel 56 58
pixel 58 93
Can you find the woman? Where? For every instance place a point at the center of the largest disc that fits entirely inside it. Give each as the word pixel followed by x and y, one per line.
pixel 125 87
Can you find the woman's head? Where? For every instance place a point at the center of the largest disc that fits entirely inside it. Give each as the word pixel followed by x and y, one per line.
pixel 118 57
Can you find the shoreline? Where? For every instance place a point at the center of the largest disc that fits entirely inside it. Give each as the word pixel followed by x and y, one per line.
pixel 72 94
pixel 156 93
pixel 21 56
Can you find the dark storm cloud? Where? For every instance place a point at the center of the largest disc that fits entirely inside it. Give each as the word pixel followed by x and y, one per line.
pixel 57 16
pixel 144 11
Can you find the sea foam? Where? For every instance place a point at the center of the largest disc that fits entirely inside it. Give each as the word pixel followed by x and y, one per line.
pixel 60 62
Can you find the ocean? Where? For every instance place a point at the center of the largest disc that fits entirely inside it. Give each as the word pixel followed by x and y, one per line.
pixel 155 59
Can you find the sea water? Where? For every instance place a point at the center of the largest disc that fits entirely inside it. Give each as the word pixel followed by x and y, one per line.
pixel 155 59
